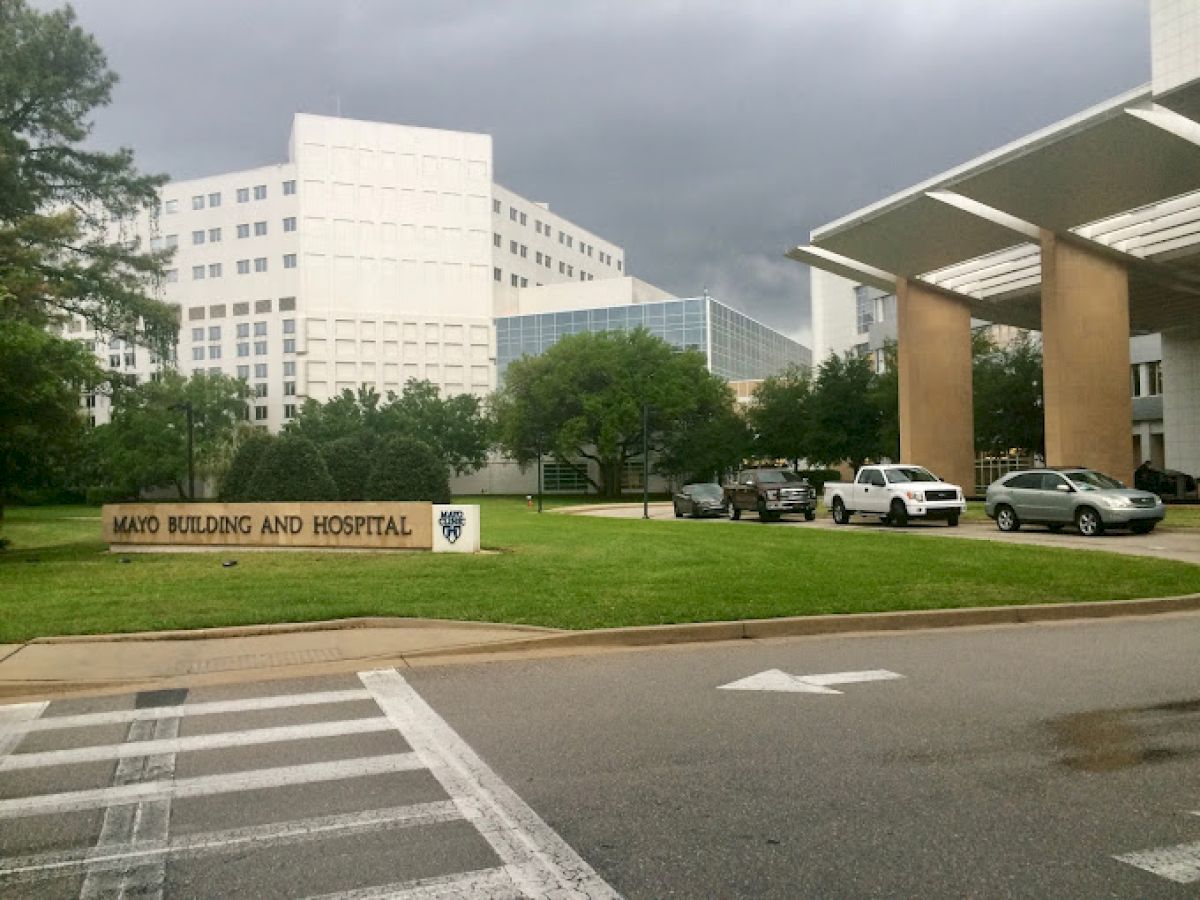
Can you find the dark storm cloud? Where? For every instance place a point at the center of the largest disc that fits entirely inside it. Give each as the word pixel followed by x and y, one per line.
pixel 704 137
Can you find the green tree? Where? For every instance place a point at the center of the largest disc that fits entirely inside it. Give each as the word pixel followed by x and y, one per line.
pixel 349 462
pixel 291 468
pixel 1007 389
pixel 408 469
pixel 65 217
pixel 885 392
pixel 235 486
pixel 40 423
pixel 779 415
pixel 582 400
pixel 843 414
pixel 145 444
pixel 704 444
pixel 454 427
pixel 349 414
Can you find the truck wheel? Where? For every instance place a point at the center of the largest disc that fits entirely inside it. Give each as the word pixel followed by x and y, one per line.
pixel 1088 521
pixel 898 514
pixel 809 515
pixel 1006 518
pixel 952 520
pixel 734 512
pixel 840 516
pixel 763 515
pixel 678 514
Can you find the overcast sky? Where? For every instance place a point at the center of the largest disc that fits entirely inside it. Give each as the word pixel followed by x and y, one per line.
pixel 705 137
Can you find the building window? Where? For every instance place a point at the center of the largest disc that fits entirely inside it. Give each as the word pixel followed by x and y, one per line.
pixel 214 332
pixel 197 334
pixel 570 271
pixel 214 235
pixel 289 260
pixel 524 252
pixel 289 410
pixel 214 270
pixel 260 192
pixel 197 273
pixel 198 237
pixel 214 351
pixel 549 262
pixel 289 188
pixel 172 276
pixel 260 348
pixel 512 213
pixel 172 241
pixel 289 368
pixel 243 372
pixel 864 309
pixel 512 246
pixel 260 413
pixel 496 206
pixel 260 370
pixel 260 264
pixel 171 206
pixel 495 239
pixel 243 231
pixel 198 202
pixel 243 330
pixel 513 280
pixel 260 329
pixel 523 219
pixel 1135 384
pixel 289 326
pixel 214 200
pixel 243 195
pixel 537 258
pixel 260 390
pixel 562 267
pixel 618 265
pixel 497 275
pixel 560 477
pixel 243 266
pixel 289 345
pixel 289 389
pixel 524 282
pixel 289 224
pixel 260 228
pixel 287 304
pixel 197 353
pixel 243 349
pixel 1155 379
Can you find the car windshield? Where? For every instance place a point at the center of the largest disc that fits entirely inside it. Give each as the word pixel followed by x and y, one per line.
pixel 909 473
pixel 1088 480
pixel 778 476
pixel 703 491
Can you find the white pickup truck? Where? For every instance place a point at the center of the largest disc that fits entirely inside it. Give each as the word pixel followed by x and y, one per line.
pixel 895 493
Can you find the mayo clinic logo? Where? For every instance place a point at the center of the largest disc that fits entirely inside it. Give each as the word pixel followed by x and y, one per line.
pixel 452 521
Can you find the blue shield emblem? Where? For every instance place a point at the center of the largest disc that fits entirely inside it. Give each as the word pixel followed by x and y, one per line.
pixel 452 521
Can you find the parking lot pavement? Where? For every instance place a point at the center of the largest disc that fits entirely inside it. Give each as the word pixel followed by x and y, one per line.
pixel 1163 543
pixel 347 787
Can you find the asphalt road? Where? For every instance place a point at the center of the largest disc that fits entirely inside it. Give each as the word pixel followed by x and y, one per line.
pixel 1001 762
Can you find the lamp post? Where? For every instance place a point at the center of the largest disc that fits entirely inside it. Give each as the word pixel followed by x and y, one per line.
pixel 186 406
pixel 539 470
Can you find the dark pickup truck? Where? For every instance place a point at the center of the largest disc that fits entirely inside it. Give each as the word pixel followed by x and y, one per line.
pixel 771 493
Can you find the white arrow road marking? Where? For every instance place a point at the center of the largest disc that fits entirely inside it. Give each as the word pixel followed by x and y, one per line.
pixel 1180 864
pixel 778 680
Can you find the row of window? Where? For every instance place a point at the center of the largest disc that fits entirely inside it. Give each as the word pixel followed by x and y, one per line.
pixel 215 270
pixel 213 235
pixel 542 259
pixel 242 330
pixel 213 200
pixel 243 349
pixel 543 228
pixel 241 308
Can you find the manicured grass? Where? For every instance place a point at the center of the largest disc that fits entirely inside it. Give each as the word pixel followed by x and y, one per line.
pixel 555 570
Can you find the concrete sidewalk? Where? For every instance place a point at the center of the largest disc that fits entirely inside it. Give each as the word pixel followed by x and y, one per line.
pixel 46 667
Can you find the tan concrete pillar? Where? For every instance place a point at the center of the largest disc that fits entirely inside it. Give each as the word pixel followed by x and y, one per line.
pixel 933 353
pixel 1085 339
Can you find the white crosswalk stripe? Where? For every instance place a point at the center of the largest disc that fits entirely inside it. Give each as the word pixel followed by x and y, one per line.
pixel 134 848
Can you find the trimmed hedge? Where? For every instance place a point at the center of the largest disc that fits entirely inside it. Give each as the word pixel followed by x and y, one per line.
pixel 291 468
pixel 235 486
pixel 408 469
pixel 349 462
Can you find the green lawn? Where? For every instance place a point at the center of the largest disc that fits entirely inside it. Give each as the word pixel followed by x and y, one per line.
pixel 555 570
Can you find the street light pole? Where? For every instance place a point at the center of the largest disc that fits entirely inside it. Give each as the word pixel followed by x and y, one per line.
pixel 539 470
pixel 186 406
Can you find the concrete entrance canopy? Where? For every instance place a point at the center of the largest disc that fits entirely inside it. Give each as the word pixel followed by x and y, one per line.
pixel 1118 184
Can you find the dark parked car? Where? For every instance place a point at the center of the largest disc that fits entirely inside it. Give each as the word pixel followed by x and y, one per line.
pixel 699 500
pixel 1057 497
pixel 1164 482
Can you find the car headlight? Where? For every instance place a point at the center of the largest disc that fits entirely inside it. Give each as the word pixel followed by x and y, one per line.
pixel 1117 502
pixel 915 495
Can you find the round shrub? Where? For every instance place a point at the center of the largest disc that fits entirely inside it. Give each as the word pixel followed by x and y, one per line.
pixel 236 484
pixel 291 468
pixel 407 469
pixel 349 463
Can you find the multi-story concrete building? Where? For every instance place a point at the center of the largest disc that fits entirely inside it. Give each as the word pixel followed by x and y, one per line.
pixel 377 253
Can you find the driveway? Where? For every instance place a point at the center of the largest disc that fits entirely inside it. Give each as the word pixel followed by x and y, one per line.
pixel 1181 544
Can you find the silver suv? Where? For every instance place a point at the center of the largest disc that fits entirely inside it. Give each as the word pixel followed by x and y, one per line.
pixel 1057 497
